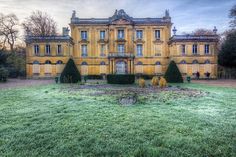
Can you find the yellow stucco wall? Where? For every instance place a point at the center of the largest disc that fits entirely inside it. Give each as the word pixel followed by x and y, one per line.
pixel 153 51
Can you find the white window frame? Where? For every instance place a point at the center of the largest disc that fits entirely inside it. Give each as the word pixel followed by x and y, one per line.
pixel 139 49
pixel 121 34
pixel 195 49
pixel 47 49
pixel 84 35
pixel 59 49
pixel 158 34
pixel 84 50
pixel 207 49
pixel 121 48
pixel 139 34
pixel 102 34
pixel 36 49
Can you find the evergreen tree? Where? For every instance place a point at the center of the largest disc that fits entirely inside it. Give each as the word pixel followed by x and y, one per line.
pixel 173 74
pixel 70 74
pixel 227 55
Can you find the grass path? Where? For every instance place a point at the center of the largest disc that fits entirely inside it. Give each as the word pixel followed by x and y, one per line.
pixel 58 120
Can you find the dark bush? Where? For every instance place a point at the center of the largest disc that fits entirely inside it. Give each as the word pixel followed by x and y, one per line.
pixel 173 74
pixel 70 74
pixel 144 76
pixel 3 74
pixel 94 77
pixel 120 79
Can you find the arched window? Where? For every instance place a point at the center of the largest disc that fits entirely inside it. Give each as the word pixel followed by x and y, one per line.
pixel 103 68
pixel 84 63
pixel 59 66
pixel 183 62
pixel 195 62
pixel 47 62
pixel 84 68
pixel 36 68
pixel 158 63
pixel 139 68
pixel 139 63
pixel 36 62
pixel 59 62
pixel 207 61
pixel 183 67
pixel 207 66
pixel 102 63
pixel 158 68
pixel 195 67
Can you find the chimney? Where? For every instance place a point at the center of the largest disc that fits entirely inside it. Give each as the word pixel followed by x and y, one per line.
pixel 65 31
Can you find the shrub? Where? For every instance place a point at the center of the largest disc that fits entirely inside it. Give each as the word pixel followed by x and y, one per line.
pixel 120 79
pixel 3 74
pixel 155 81
pixel 94 77
pixel 141 83
pixel 173 74
pixel 70 74
pixel 162 82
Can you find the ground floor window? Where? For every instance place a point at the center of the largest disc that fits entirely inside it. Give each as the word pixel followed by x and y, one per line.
pixel 121 67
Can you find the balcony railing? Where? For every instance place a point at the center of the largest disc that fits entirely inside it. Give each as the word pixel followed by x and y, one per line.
pixel 120 55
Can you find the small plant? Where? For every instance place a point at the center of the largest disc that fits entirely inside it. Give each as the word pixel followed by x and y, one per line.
pixel 162 82
pixel 155 81
pixel 3 74
pixel 141 83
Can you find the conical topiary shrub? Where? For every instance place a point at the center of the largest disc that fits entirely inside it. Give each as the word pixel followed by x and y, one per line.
pixel 70 74
pixel 173 74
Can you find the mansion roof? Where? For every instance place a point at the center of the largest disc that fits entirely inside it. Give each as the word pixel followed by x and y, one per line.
pixel 120 17
pixel 199 38
pixel 56 38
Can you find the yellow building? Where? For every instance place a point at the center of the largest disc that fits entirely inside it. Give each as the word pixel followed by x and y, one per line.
pixel 121 44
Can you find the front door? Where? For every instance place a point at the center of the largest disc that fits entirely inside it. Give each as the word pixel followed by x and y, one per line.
pixel 121 67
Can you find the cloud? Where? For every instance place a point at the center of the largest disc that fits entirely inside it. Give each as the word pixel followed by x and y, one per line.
pixel 187 15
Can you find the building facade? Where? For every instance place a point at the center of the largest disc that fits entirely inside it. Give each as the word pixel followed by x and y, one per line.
pixel 121 44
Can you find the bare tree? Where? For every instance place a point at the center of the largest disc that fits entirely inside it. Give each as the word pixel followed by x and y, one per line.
pixel 202 31
pixel 232 15
pixel 40 24
pixel 8 30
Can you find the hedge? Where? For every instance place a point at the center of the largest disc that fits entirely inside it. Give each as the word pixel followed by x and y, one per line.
pixel 120 79
pixel 173 74
pixel 70 74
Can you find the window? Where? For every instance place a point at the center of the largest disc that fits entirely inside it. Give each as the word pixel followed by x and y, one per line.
pixel 157 34
pixel 207 49
pixel 139 50
pixel 84 50
pixel 36 49
pixel 102 35
pixel 195 49
pixel 121 48
pixel 183 49
pixel 48 49
pixel 102 53
pixel 59 50
pixel 139 34
pixel 84 35
pixel 121 34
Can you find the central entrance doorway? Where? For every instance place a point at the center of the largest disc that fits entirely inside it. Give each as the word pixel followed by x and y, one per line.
pixel 121 67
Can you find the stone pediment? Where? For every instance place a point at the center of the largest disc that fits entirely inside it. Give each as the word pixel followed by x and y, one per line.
pixel 120 17
pixel 121 22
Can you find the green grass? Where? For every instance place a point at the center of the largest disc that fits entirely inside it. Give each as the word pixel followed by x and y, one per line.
pixel 61 120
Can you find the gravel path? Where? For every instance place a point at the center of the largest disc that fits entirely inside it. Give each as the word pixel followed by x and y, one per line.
pixel 220 83
pixel 12 83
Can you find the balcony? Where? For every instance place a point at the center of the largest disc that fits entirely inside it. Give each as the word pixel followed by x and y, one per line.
pixel 120 55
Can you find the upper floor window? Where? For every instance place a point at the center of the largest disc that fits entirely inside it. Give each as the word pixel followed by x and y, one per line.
pixel 84 50
pixel 207 51
pixel 102 35
pixel 139 50
pixel 48 49
pixel 139 34
pixel 59 49
pixel 36 49
pixel 195 49
pixel 102 53
pixel 183 49
pixel 84 35
pixel 157 34
pixel 121 48
pixel 121 34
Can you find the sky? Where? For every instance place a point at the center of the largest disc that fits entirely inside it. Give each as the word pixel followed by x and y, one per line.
pixel 187 15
